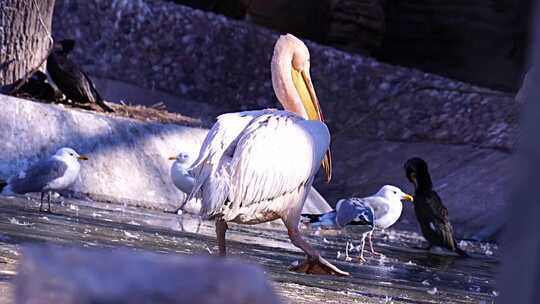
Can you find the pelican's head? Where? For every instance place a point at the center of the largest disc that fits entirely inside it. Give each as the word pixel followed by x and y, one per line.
pixel 181 158
pixel 69 153
pixel 393 193
pixel 293 87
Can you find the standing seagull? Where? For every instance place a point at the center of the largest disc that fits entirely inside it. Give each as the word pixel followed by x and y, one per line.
pixel 387 207
pixel 53 174
pixel 430 211
pixel 258 166
pixel 352 216
pixel 70 78
pixel 180 175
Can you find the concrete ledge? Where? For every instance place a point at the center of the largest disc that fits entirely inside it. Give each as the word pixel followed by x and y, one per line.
pixel 128 158
pixel 56 274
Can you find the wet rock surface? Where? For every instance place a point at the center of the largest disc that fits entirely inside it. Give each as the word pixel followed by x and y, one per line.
pixel 223 62
pixel 405 274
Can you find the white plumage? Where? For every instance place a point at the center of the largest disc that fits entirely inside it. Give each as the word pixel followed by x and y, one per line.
pixel 180 175
pixel 258 166
pixel 252 176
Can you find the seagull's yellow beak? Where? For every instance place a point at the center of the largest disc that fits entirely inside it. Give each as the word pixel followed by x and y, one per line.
pixel 407 197
pixel 304 86
pixel 82 157
pixel 172 158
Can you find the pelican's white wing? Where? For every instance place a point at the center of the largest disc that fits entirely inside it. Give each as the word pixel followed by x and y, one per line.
pixel 276 154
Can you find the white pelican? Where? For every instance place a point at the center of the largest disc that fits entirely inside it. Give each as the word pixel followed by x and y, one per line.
pixel 58 172
pixel 258 166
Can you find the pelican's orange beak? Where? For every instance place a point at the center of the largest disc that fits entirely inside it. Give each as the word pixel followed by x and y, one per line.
pixel 304 86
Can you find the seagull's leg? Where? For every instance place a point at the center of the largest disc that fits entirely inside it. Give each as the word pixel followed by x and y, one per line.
pixel 315 263
pixel 41 202
pixel 361 258
pixel 347 251
pixel 371 244
pixel 221 229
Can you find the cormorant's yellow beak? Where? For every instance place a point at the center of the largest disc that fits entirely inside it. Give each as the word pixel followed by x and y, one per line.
pixel 172 158
pixel 304 86
pixel 82 157
pixel 407 197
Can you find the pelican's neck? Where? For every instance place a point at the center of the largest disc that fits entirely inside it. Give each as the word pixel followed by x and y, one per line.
pixel 282 81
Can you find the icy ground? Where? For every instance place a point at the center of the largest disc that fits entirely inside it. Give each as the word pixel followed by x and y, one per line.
pixel 405 274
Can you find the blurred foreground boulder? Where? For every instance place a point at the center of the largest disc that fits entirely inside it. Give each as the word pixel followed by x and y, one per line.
pixel 54 274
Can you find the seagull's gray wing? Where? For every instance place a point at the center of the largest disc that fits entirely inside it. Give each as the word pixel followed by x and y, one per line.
pixel 38 176
pixel 380 208
pixel 354 211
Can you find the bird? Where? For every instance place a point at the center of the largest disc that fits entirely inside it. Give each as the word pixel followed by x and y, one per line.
pixel 70 78
pixel 387 207
pixel 38 87
pixel 258 166
pixel 184 181
pixel 352 216
pixel 180 174
pixel 430 212
pixel 55 173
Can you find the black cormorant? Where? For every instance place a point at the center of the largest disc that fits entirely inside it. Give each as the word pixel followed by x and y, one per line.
pixel 36 86
pixel 70 78
pixel 430 211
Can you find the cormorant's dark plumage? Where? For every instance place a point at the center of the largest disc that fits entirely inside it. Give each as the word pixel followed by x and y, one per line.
pixel 3 183
pixel 70 78
pixel 431 214
pixel 36 86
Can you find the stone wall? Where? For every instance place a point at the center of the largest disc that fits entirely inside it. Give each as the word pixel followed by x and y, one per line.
pixel 209 58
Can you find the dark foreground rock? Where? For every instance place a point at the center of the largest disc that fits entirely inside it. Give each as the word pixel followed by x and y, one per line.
pixel 53 274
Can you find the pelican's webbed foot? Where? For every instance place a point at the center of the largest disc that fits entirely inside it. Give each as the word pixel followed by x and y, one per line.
pixel 317 265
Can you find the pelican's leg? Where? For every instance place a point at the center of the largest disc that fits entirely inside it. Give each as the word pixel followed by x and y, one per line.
pixel 371 244
pixel 221 229
pixel 314 264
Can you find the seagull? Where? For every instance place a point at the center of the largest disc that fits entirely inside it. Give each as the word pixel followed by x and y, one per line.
pixel 386 207
pixel 53 174
pixel 431 214
pixel 351 215
pixel 70 78
pixel 180 174
pixel 258 166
